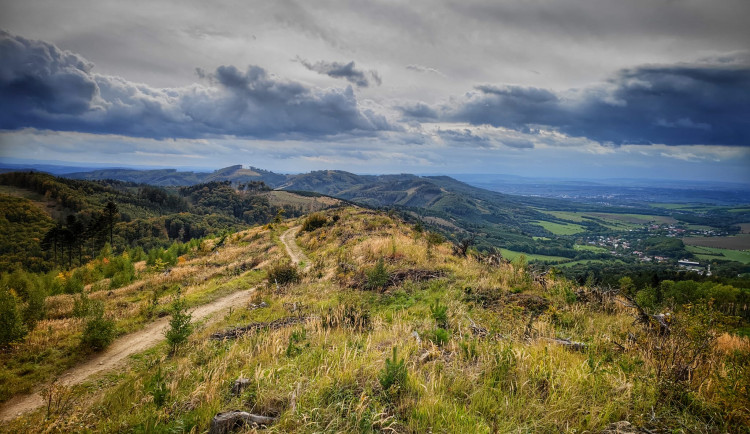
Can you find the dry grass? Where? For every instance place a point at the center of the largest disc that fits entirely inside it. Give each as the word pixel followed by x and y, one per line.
pixel 322 375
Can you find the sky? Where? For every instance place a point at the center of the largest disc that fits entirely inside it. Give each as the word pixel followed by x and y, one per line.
pixel 579 89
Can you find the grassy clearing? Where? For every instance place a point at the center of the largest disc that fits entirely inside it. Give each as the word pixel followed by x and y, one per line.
pixel 488 363
pixel 561 228
pixel 711 253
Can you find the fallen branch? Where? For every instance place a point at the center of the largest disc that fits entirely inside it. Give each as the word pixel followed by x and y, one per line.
pixel 478 330
pixel 229 421
pixel 573 345
pixel 237 332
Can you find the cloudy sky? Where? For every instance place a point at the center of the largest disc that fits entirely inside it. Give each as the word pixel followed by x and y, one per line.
pixel 595 88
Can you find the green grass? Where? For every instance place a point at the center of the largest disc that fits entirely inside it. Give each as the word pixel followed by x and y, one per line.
pixel 711 253
pixel 567 215
pixel 560 228
pixel 589 248
pixel 512 255
pixel 590 261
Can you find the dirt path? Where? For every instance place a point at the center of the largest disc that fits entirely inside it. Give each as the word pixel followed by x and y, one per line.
pixel 294 251
pixel 117 353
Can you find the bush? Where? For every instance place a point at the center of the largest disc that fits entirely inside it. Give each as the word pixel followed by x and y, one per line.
pixel 179 326
pixel 393 376
pixel 35 308
pixel 439 314
pixel 99 331
pixel 11 325
pixel 81 306
pixel 314 221
pixel 377 277
pixel 439 336
pixel 283 274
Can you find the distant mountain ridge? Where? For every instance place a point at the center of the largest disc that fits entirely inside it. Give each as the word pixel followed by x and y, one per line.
pixel 173 178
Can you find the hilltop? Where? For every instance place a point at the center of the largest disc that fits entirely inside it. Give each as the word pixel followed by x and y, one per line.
pixel 385 326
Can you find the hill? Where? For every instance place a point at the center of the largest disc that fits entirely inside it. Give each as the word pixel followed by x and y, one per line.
pixel 49 222
pixel 172 177
pixel 385 328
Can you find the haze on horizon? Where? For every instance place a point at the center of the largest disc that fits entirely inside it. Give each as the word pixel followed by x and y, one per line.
pixel 580 89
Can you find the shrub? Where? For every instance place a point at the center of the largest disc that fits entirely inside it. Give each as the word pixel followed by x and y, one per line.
pixel 314 221
pixel 11 325
pixel 99 331
pixel 439 336
pixel 179 326
pixel 283 274
pixel 35 308
pixel 81 306
pixel 393 376
pixel 295 338
pixel 439 314
pixel 377 277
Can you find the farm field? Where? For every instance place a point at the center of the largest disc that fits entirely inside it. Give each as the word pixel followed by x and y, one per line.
pixel 512 255
pixel 635 219
pixel 588 248
pixel 561 228
pixel 710 253
pixel 590 261
pixel 736 242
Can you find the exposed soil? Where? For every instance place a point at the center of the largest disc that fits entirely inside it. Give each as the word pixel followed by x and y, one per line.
pixel 294 251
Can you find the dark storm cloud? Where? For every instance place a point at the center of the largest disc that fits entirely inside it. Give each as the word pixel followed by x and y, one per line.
pixel 464 138
pixel 44 87
pixel 418 111
pixel 347 71
pixel 706 103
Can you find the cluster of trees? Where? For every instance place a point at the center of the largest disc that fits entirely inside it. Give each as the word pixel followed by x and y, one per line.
pixel 725 298
pixel 84 231
pixel 220 197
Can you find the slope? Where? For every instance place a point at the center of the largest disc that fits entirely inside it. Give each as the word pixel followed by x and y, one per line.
pixel 389 331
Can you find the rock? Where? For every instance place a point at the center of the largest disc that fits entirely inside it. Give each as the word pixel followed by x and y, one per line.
pixel 229 421
pixel 428 356
pixel 239 385
pixel 621 427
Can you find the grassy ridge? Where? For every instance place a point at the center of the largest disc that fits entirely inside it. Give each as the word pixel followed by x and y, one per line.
pixel 479 343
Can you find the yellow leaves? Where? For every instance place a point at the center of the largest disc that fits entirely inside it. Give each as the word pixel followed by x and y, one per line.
pixel 63 276
pixel 181 260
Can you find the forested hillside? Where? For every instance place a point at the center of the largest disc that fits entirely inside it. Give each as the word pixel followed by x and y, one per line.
pixel 72 220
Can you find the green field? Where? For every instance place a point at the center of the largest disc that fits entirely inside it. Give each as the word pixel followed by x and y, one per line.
pixel 566 215
pixel 670 205
pixel 560 228
pixel 512 255
pixel 590 261
pixel 595 249
pixel 710 253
